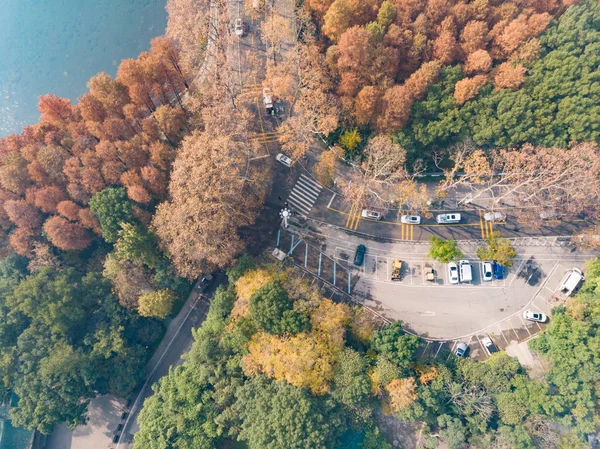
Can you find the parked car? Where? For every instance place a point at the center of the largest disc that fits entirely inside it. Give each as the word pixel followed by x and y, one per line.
pixel 571 281
pixel 204 282
pixel 488 345
pixel 397 270
pixel 461 349
pixel 465 271
pixel 535 316
pixel 359 257
pixel 498 270
pixel 448 218
pixel 371 214
pixel 284 159
pixel 487 271
pixel 494 216
pixel 429 273
pixel 240 27
pixel 453 273
pixel 410 219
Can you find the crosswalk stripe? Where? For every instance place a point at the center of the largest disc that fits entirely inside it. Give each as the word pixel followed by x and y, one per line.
pixel 304 200
pixel 311 182
pixel 310 193
pixel 299 207
pixel 308 187
pixel 304 194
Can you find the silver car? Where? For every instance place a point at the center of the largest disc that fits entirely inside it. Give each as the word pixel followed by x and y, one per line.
pixel 461 350
pixel 410 219
pixel 494 216
pixel 283 159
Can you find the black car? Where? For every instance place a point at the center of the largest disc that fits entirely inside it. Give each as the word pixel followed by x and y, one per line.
pixel 359 257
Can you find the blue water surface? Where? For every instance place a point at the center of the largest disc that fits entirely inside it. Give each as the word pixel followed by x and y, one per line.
pixel 56 46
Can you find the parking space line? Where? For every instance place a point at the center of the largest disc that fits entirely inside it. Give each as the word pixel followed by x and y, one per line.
pixel 524 324
pixel 481 225
pixel 513 329
pixel 442 343
pixel 516 272
pixel 502 333
pixel 533 305
pixel 481 345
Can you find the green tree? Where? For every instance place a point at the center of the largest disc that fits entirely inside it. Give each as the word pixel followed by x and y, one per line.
pixel 444 250
pixel 66 339
pixel 113 209
pixel 374 440
pixel 244 263
pixel 276 415
pixel 268 305
pixel 181 413
pixel 498 249
pixel 395 344
pixel 452 431
pixel 135 243
pixel 158 304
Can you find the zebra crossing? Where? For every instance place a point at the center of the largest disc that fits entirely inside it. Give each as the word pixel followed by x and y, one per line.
pixel 304 194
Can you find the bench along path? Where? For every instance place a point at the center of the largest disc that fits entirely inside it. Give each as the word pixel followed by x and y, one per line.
pixel 304 194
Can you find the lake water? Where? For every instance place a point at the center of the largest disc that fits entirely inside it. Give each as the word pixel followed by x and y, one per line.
pixel 56 46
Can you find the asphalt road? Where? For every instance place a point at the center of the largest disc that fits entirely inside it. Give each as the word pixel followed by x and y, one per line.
pixel 176 342
pixel 330 208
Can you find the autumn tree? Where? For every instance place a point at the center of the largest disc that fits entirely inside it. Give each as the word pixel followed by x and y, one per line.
pixel 401 393
pixel 325 169
pixel 498 249
pixel 48 198
pixel 468 88
pixel 67 235
pixel 54 109
pixel 479 61
pixel 532 178
pixel 157 304
pixel 23 214
pixel 373 182
pixel 509 76
pixel 213 193
pixel 474 36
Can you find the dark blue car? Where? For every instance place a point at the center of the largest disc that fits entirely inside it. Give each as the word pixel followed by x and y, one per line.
pixel 360 255
pixel 498 270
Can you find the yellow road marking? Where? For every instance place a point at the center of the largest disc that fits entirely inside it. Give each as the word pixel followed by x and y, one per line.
pixel 481 225
pixel 491 226
pixel 356 220
pixel 349 215
pixel 412 232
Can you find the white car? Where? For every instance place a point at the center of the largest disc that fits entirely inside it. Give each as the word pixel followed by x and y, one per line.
pixel 488 345
pixel 494 216
pixel 448 218
pixel 535 316
pixel 239 27
pixel 410 219
pixel 453 273
pixel 371 214
pixel 488 273
pixel 461 349
pixel 284 159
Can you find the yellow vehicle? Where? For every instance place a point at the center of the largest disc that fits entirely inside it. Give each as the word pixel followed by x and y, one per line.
pixel 429 273
pixel 397 270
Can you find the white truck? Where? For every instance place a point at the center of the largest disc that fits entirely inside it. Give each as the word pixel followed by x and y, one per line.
pixel 465 270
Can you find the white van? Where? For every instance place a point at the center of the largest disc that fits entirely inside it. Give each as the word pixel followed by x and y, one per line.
pixel 448 218
pixel 571 281
pixel 466 274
